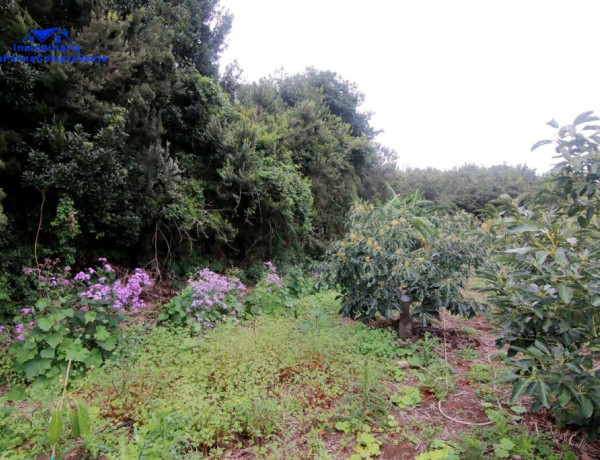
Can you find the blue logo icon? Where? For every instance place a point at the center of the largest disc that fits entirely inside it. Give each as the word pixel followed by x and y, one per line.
pixel 42 36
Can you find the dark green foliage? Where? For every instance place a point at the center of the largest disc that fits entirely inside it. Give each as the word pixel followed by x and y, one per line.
pixel 398 254
pixel 545 283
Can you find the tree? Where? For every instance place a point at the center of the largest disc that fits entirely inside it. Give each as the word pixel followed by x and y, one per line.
pixel 403 254
pixel 545 282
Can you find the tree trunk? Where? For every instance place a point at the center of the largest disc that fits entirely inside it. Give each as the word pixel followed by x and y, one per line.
pixel 405 322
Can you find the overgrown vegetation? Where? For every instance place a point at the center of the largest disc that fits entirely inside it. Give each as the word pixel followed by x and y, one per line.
pixel 260 212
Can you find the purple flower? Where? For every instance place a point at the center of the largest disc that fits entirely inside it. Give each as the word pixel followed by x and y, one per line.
pixel 272 277
pixel 210 293
pixel 26 311
pixel 108 268
pixel 102 259
pixel 81 276
pixel 2 329
pixel 67 268
pixel 31 324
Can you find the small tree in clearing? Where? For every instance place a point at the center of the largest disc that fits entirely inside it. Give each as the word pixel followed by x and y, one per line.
pixel 403 257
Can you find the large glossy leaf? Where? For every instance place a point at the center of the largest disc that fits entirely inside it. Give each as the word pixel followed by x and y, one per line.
pixel 55 429
pixel 565 292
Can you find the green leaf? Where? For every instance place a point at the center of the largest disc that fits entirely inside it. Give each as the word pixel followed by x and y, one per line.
pixel 45 323
pixel 520 251
pixel 23 354
pixel 586 407
pixel 519 388
pixel 94 358
pixel 543 393
pixel 47 353
pixel 74 421
pixel 43 303
pixel 101 333
pixel 540 257
pixel 76 353
pixel 540 143
pixel 540 346
pixel 584 118
pixel 89 316
pixel 564 395
pixel 55 429
pixel 565 292
pixel 521 228
pixel 108 344
pixel 188 342
pixel 36 367
pixel 506 378
pixel 83 416
pixel 53 339
pixel 344 427
pixel 503 448
pixel 16 393
pixel 518 409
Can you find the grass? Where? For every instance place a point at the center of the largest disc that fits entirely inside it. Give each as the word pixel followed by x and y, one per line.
pixel 307 385
pixel 269 383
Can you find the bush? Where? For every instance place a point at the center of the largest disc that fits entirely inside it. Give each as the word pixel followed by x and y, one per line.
pixel 401 254
pixel 545 283
pixel 207 299
pixel 76 318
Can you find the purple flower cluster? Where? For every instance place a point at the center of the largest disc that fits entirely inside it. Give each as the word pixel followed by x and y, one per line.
pixel 211 296
pixel 129 293
pixel 93 286
pixel 210 290
pixel 20 330
pixel 45 277
pixel 272 278
pixel 121 294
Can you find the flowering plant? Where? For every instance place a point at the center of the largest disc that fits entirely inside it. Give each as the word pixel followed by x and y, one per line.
pixel 75 318
pixel 208 298
pixel 270 294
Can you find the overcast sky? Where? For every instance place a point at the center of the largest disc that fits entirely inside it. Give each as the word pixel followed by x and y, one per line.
pixel 450 82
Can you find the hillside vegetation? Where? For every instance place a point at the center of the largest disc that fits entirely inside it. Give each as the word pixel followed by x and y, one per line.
pixel 197 266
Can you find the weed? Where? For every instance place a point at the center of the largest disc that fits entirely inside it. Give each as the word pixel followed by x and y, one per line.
pixel 468 353
pixel 406 397
pixel 479 373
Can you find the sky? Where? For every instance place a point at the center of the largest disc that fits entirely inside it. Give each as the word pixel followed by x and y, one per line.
pixel 449 82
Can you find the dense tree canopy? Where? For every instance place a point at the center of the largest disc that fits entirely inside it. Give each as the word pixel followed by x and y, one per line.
pixel 155 157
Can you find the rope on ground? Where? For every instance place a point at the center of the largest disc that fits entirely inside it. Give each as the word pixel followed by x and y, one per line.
pixel 461 421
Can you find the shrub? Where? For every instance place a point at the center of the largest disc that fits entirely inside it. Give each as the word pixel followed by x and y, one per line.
pixel 76 318
pixel 270 294
pixel 545 283
pixel 208 298
pixel 401 254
